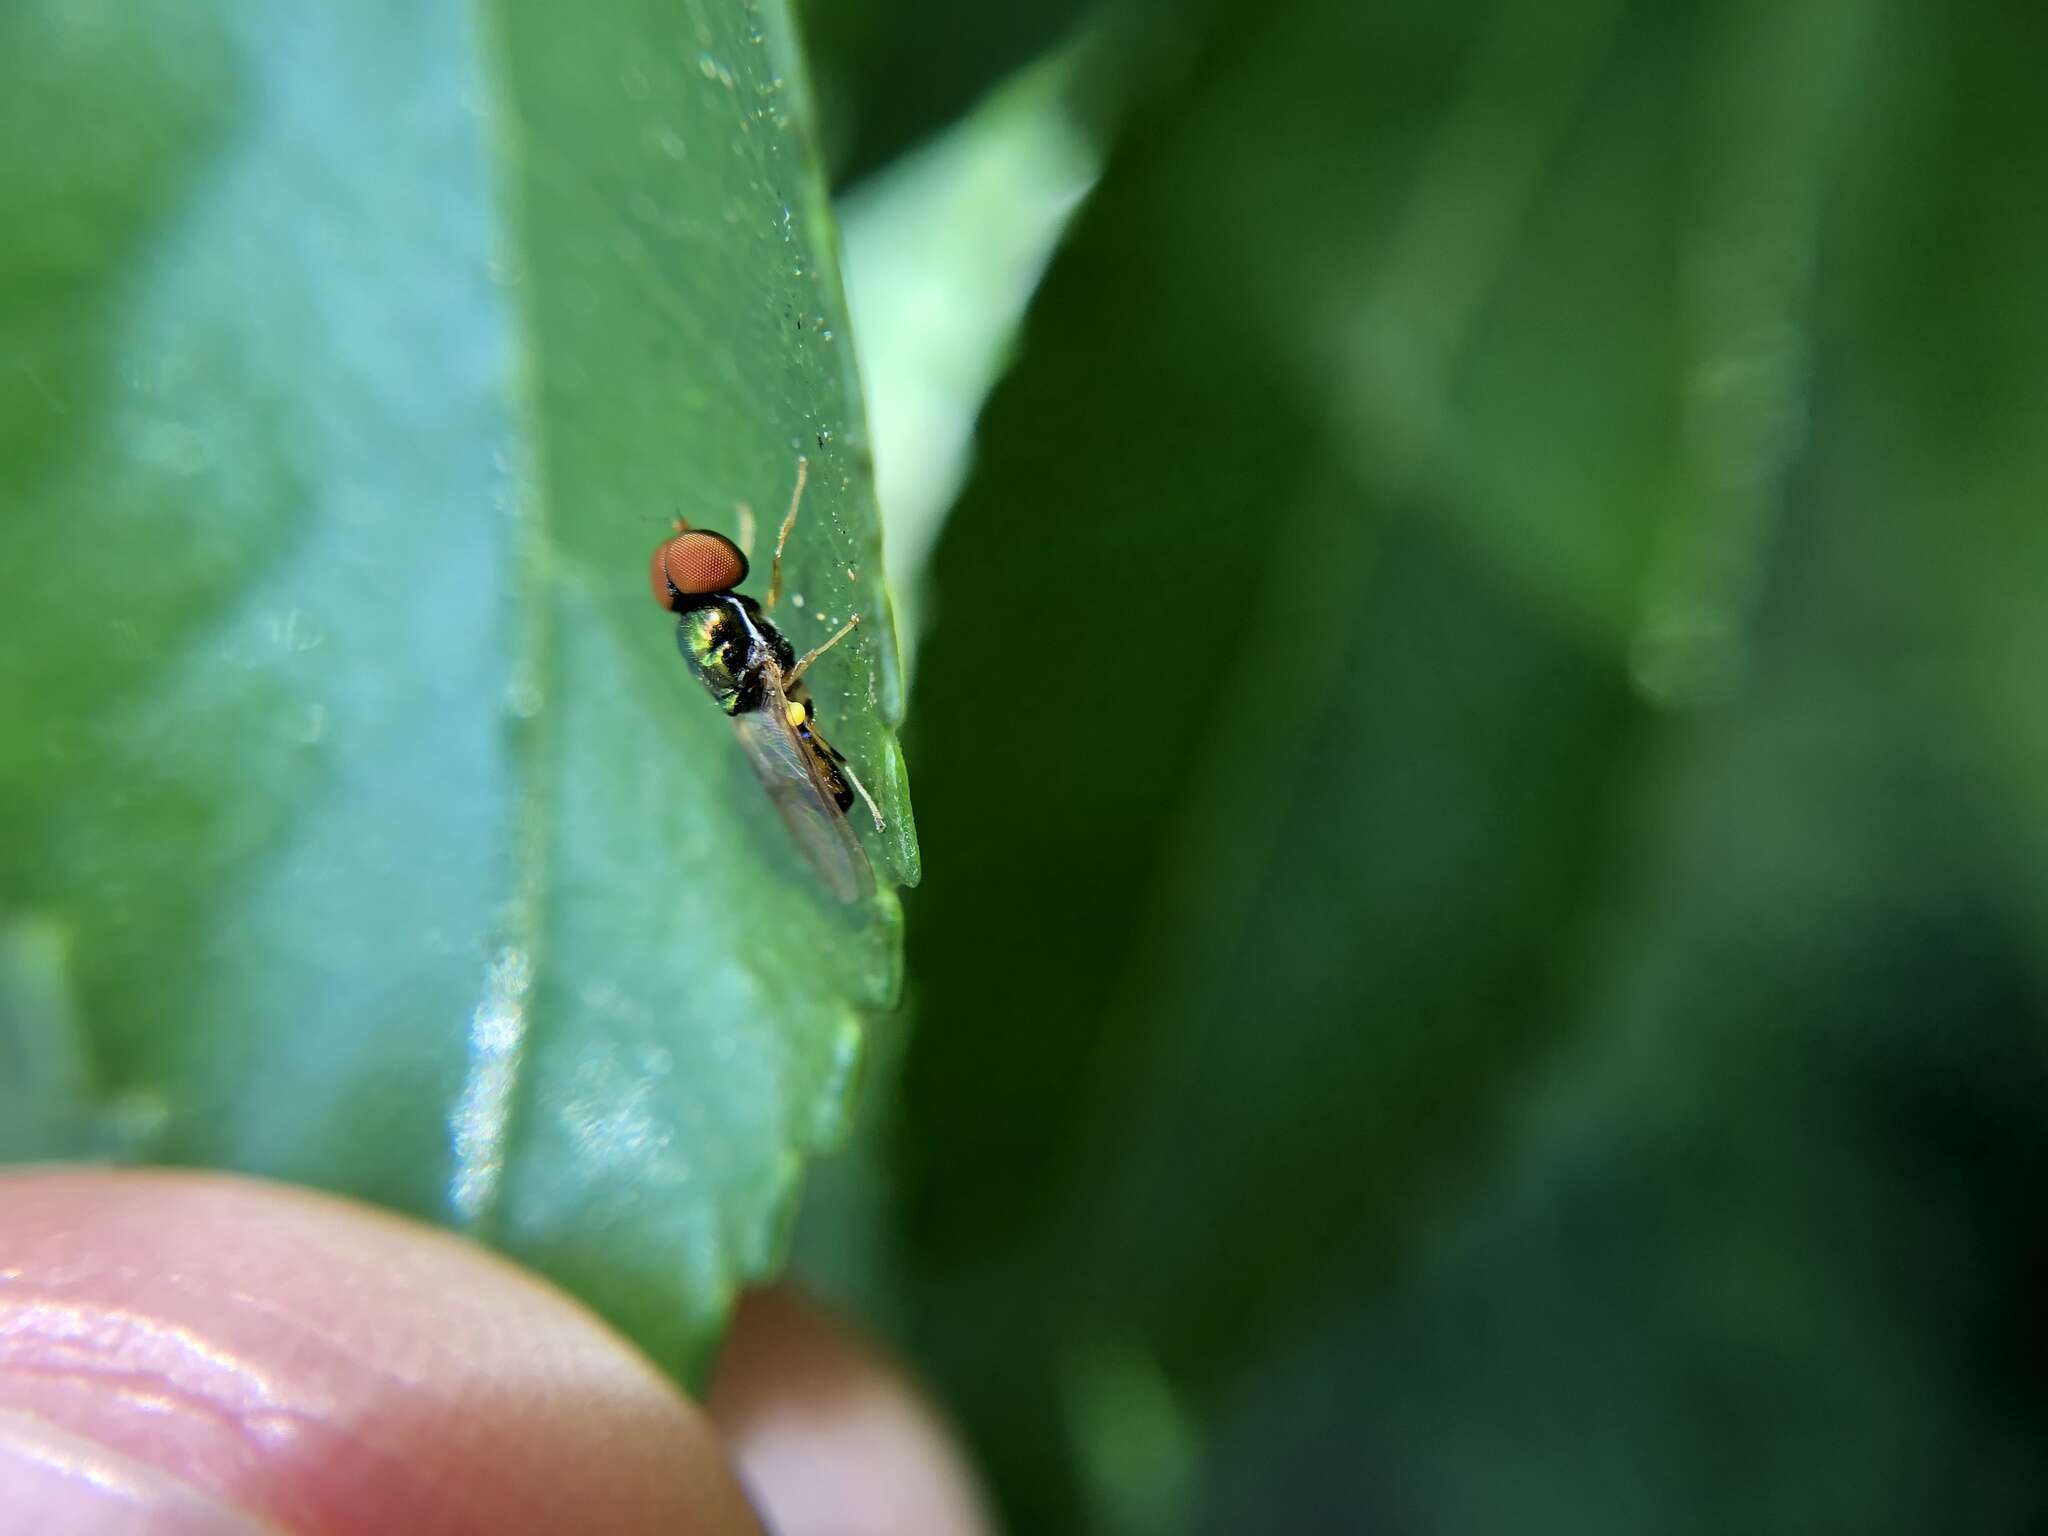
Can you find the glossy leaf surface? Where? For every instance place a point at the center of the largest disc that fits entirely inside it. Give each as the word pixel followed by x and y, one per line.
pixel 359 823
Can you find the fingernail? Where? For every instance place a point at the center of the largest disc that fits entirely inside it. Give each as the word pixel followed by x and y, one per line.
pixel 52 1480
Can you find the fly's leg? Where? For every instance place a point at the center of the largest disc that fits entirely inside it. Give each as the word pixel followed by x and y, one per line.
pixel 846 771
pixel 853 778
pixel 803 473
pixel 790 678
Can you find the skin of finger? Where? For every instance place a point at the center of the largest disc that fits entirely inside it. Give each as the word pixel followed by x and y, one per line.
pixel 298 1363
pixel 830 1435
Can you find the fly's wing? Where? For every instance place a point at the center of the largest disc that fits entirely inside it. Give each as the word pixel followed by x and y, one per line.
pixel 800 794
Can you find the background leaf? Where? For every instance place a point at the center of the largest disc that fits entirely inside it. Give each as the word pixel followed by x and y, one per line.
pixel 1503 587
pixel 892 72
pixel 362 826
pixel 943 251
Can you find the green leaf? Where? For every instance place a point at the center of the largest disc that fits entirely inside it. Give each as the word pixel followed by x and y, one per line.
pixel 1563 894
pixel 943 251
pixel 361 825
pixel 894 72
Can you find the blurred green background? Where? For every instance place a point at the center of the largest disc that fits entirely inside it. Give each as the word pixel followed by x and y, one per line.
pixel 1482 749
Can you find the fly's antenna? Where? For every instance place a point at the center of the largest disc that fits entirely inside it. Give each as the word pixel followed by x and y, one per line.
pixel 803 473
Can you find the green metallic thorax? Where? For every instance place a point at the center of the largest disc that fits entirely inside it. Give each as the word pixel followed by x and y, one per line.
pixel 727 641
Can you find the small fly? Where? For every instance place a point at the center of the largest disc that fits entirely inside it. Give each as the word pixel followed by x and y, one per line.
pixel 757 678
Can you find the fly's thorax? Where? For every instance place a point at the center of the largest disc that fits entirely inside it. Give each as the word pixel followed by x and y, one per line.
pixel 727 641
pixel 720 646
pixel 783 652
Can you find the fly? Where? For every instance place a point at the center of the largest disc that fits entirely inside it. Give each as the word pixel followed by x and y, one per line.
pixel 756 677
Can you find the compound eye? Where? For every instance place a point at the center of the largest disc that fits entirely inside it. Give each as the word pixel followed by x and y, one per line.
pixel 694 564
pixel 657 577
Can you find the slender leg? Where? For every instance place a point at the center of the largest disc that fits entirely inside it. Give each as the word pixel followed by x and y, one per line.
pixel 874 810
pixel 803 473
pixel 744 511
pixel 803 662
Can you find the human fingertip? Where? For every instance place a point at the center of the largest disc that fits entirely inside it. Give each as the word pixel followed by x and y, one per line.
pixel 828 1433
pixel 207 1349
pixel 52 1480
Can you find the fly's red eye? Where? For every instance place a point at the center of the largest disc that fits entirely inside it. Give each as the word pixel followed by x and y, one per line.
pixel 694 563
pixel 657 578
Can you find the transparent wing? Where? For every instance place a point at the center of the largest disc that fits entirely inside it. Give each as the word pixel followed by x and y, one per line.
pixel 799 793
